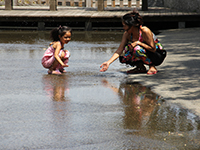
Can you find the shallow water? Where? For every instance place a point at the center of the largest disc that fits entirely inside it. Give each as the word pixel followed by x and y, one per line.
pixel 83 108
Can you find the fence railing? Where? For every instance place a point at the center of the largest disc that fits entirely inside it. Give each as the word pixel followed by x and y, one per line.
pixel 99 4
pixel 94 3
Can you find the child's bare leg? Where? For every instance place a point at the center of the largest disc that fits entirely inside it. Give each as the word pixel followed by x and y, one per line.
pixel 53 69
pixel 61 69
pixel 64 59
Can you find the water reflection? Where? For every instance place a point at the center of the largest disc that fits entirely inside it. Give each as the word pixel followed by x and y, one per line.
pixel 146 114
pixel 139 103
pixel 56 86
pixel 57 89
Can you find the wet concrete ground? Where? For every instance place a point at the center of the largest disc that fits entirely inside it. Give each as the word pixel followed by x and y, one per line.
pixel 85 109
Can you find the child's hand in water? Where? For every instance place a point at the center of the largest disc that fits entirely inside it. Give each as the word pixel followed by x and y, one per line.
pixel 65 65
pixel 104 66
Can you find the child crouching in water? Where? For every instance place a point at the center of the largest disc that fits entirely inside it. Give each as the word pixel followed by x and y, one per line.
pixel 55 57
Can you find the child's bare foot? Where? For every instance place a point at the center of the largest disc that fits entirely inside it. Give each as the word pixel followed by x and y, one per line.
pixel 56 72
pixel 152 70
pixel 62 70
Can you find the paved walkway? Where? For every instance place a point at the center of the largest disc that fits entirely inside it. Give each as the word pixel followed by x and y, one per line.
pixel 178 79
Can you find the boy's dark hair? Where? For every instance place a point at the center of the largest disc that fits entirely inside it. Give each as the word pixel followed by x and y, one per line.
pixel 132 19
pixel 61 30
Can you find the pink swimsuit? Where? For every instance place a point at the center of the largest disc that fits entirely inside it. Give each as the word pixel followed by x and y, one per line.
pixel 48 57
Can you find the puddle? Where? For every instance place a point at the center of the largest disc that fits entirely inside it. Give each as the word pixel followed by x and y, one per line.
pixel 83 109
pixel 147 114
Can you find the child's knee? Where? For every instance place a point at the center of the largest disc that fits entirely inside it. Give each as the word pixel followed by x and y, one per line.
pixel 67 54
pixel 62 55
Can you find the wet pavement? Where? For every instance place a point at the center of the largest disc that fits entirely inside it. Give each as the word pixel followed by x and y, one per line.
pixel 87 109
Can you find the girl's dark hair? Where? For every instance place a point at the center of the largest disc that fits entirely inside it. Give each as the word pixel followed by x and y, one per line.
pixel 61 30
pixel 132 19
